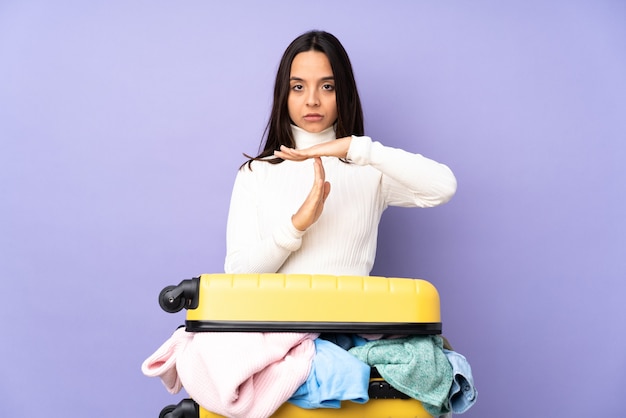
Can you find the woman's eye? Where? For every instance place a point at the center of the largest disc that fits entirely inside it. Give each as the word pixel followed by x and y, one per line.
pixel 297 87
pixel 328 87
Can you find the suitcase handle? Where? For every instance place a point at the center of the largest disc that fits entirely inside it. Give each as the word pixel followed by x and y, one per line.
pixel 172 299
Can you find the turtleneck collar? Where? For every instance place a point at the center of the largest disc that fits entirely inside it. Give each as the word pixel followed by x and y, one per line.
pixel 306 139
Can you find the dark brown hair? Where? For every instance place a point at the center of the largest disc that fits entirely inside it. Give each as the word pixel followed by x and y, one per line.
pixel 349 111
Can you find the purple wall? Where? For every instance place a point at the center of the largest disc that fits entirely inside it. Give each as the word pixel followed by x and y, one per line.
pixel 122 125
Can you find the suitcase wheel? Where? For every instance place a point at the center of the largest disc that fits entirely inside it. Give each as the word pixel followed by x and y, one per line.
pixel 166 412
pixel 172 299
pixel 186 408
pixel 170 303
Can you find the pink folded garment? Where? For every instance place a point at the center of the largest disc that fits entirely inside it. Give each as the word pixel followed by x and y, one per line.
pixel 163 362
pixel 238 375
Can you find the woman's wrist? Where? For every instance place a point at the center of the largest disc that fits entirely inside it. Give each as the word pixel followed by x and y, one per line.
pixel 299 226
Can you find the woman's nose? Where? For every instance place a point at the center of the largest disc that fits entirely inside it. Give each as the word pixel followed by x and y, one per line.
pixel 313 98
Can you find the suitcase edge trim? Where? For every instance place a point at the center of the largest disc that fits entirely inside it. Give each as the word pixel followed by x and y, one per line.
pixel 413 328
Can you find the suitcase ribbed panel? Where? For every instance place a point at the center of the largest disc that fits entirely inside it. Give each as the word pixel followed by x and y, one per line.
pixel 279 302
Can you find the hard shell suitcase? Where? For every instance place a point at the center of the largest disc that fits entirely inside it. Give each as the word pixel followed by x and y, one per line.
pixel 306 303
pixel 380 408
pixel 309 303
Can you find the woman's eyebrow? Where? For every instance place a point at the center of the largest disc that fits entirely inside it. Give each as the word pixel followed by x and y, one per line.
pixel 327 78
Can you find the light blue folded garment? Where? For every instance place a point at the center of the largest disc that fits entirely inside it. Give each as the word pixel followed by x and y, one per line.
pixel 335 376
pixel 462 394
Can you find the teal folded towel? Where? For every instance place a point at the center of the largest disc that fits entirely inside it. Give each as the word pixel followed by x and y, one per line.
pixel 416 366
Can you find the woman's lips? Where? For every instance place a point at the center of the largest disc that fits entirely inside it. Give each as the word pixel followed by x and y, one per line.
pixel 313 117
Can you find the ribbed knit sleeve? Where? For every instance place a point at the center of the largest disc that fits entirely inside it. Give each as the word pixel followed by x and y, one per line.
pixel 248 251
pixel 408 179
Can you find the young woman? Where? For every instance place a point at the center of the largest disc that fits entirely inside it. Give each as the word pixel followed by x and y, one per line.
pixel 312 200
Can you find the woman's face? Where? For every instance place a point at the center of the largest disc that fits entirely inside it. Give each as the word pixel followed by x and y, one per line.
pixel 312 104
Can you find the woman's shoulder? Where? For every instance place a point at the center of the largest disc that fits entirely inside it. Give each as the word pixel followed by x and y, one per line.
pixel 262 168
pixel 256 165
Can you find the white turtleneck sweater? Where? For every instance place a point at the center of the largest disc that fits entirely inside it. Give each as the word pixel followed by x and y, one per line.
pixel 260 237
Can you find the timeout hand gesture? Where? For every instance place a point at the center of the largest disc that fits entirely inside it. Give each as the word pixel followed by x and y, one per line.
pixel 313 205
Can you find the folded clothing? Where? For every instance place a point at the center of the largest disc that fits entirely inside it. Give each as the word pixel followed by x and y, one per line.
pixel 462 394
pixel 237 375
pixel 415 365
pixel 336 376
pixel 162 363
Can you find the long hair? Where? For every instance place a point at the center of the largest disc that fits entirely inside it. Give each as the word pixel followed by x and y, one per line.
pixel 349 111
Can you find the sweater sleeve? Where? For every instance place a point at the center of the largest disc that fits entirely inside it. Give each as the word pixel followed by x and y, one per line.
pixel 407 179
pixel 246 250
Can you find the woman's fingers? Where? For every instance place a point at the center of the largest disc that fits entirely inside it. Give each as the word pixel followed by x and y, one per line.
pixel 322 178
pixel 291 154
pixel 320 173
pixel 337 148
pixel 313 205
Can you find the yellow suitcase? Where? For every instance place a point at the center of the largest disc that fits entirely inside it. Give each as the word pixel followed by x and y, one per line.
pixel 305 303
pixel 309 303
pixel 380 408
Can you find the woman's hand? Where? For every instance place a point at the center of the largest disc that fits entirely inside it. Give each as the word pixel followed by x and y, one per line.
pixel 313 205
pixel 336 148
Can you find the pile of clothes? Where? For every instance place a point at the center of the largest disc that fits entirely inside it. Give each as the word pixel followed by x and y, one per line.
pixel 250 375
